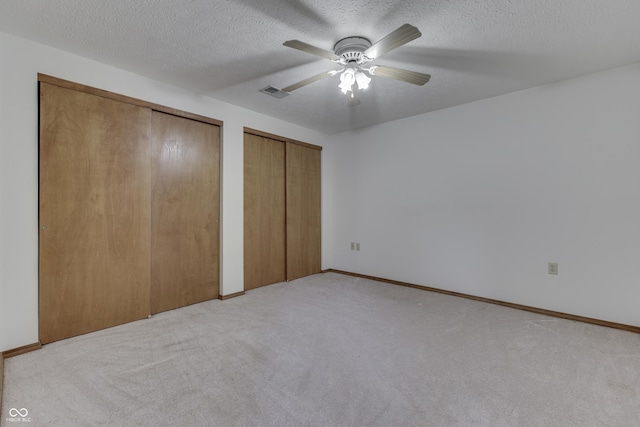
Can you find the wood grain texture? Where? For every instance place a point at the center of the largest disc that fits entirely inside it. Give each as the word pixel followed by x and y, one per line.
pixel 21 350
pixel 94 213
pixel 1 377
pixel 279 138
pixel 303 211
pixel 264 212
pixel 234 295
pixel 185 212
pixel 126 99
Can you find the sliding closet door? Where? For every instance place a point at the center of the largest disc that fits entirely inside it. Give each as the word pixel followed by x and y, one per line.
pixel 185 212
pixel 264 212
pixel 94 213
pixel 303 211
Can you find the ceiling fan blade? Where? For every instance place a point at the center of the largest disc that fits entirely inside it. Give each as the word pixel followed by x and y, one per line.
pixel 412 77
pixel 354 96
pixel 397 38
pixel 306 47
pixel 309 80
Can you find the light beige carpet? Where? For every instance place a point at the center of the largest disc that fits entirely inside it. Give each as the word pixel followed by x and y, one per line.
pixel 333 350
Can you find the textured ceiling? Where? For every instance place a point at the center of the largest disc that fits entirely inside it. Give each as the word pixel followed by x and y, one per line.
pixel 229 49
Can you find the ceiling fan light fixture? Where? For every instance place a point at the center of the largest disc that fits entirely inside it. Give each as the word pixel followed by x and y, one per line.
pixel 362 80
pixel 351 76
pixel 347 79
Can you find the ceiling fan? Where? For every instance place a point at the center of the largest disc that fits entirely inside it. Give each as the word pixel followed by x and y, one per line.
pixel 354 54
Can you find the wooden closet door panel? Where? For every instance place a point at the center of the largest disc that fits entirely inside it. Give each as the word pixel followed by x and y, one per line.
pixel 185 212
pixel 303 211
pixel 264 212
pixel 94 213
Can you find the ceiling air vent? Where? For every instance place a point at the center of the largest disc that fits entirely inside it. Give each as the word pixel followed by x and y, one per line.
pixel 275 92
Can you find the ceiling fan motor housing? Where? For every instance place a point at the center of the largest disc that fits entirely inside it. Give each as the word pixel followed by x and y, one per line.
pixel 350 49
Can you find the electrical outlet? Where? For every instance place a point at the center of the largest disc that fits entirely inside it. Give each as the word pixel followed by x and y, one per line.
pixel 553 268
pixel 353 246
pixel 357 246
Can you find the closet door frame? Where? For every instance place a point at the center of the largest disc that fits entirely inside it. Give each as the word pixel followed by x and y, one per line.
pixel 44 78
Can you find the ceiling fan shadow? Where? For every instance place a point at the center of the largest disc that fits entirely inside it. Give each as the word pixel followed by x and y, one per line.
pixel 497 64
pixel 210 78
pixel 390 12
pixel 290 13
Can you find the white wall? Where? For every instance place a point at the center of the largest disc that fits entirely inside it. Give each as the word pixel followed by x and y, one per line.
pixel 20 61
pixel 478 198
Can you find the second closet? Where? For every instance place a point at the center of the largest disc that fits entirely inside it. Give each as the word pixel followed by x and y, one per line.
pixel 281 209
